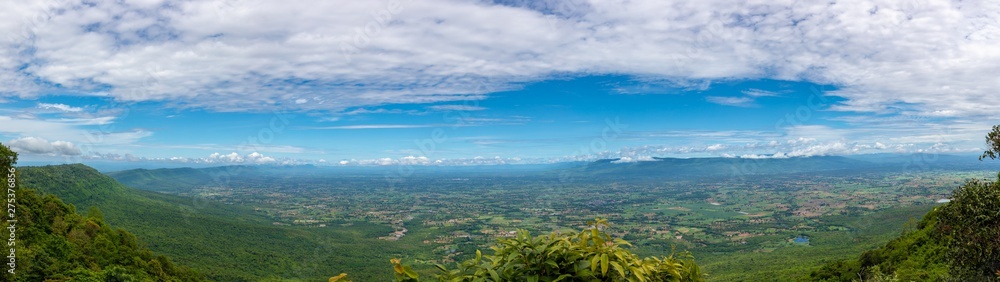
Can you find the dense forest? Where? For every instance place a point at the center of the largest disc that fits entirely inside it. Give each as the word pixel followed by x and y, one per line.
pixel 55 243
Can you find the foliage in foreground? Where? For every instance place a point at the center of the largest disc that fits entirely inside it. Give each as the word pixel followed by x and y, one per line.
pixel 591 255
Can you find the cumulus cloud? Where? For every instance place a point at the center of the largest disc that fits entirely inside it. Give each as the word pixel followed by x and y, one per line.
pixel 39 146
pixel 715 147
pixel 936 57
pixel 633 159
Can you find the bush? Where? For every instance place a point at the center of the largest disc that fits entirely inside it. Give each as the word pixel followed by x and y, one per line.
pixel 591 255
pixel 972 223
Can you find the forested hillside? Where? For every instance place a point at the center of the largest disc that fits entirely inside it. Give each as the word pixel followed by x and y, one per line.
pixel 225 242
pixel 959 241
pixel 54 243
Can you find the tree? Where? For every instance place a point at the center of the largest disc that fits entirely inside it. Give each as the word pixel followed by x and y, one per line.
pixel 992 144
pixel 7 157
pixel 971 222
pixel 95 213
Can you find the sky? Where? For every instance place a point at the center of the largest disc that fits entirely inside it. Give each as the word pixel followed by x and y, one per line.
pixel 465 82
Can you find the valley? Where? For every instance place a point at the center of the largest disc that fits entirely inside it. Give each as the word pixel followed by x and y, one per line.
pixel 445 217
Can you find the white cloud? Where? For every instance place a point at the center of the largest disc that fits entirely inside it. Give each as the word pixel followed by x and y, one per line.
pixel 936 57
pixel 715 147
pixel 731 101
pixel 835 148
pixel 39 146
pixel 361 111
pixel 61 107
pixel 771 156
pixel 235 158
pixel 377 126
pixel 748 99
pixel 259 158
pixel 753 92
pixel 633 159
pixel 75 130
pixel 456 108
pixel 245 147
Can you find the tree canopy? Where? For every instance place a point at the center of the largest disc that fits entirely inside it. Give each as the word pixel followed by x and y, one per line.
pixel 54 243
pixel 590 255
pixel 992 144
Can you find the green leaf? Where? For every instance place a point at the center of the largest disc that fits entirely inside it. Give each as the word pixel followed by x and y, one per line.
pixel 593 263
pixel 494 275
pixel 561 277
pixel 604 264
pixel 618 267
pixel 410 273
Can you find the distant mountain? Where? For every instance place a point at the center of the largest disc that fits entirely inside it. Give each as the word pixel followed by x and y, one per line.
pixel 169 179
pixel 714 167
pixel 182 180
pixel 676 168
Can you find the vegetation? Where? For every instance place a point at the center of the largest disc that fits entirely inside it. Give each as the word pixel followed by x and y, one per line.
pixel 958 241
pixel 970 227
pixel 590 255
pixel 224 242
pixel 917 256
pixel 739 228
pixel 992 144
pixel 54 243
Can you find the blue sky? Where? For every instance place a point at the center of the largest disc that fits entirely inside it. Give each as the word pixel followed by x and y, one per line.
pixel 481 82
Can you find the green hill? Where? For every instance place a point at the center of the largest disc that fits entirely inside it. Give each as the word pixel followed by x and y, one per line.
pixel 959 241
pixel 225 242
pixel 50 241
pixel 56 243
pixel 163 180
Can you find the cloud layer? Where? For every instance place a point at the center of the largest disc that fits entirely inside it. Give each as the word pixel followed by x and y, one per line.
pixel 39 146
pixel 927 57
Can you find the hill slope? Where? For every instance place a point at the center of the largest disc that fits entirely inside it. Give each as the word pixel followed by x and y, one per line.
pixel 958 241
pixel 54 242
pixel 226 243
